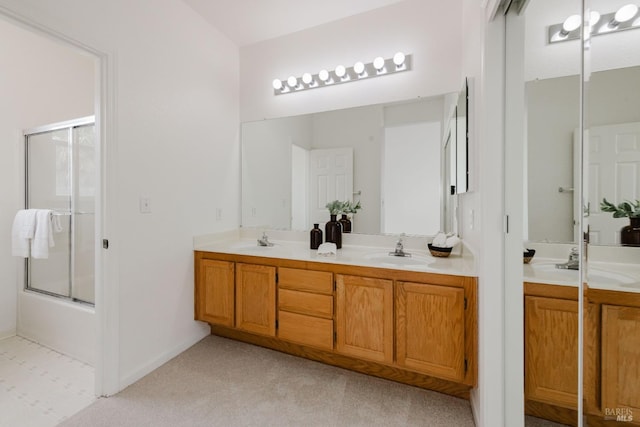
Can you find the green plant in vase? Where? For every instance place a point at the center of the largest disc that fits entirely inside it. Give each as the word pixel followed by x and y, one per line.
pixel 629 234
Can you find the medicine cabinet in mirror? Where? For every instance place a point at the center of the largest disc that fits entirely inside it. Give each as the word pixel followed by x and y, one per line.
pixel 403 161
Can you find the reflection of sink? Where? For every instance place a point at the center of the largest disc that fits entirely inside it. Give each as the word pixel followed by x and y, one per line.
pixel 604 277
pixel 383 258
pixel 594 276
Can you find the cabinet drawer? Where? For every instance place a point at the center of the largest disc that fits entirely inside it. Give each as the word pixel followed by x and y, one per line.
pixel 306 280
pixel 306 303
pixel 307 330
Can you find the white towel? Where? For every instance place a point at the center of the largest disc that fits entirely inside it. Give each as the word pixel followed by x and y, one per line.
pixel 43 236
pixel 23 230
pixel 327 248
pixel 451 241
pixel 440 240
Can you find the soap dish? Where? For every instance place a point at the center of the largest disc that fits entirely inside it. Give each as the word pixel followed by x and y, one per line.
pixel 528 255
pixel 439 252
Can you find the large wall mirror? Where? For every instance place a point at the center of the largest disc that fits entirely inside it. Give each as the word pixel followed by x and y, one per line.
pixel 403 161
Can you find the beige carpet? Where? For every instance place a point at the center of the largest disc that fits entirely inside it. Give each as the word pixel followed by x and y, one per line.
pixel 220 382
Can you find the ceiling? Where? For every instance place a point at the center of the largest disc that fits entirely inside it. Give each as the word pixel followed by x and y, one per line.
pixel 250 21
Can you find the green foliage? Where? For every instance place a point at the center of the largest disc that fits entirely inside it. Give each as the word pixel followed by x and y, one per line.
pixel 347 207
pixel 335 207
pixel 624 209
pixel 350 207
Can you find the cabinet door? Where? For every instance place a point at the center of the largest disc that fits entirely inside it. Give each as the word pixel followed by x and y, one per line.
pixel 364 317
pixel 256 298
pixel 621 362
pixel 551 351
pixel 214 296
pixel 430 329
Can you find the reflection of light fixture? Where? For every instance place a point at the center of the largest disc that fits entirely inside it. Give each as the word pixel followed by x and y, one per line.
pixel 622 19
pixel 570 24
pixel 342 74
pixel 624 14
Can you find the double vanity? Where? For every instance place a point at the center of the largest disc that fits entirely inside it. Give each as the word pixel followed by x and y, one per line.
pixel 411 319
pixel 414 319
pixel 611 339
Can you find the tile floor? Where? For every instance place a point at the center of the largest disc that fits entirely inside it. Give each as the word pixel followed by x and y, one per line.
pixel 40 387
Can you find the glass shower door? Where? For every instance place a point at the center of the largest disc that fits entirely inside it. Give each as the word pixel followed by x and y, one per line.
pixel 60 175
pixel 48 187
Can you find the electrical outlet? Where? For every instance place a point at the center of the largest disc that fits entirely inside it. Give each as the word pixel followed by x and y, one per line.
pixel 145 205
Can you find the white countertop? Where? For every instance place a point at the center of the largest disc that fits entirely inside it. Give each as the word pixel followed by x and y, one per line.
pixel 623 277
pixel 293 247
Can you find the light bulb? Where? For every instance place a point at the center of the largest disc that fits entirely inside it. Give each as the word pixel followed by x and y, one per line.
pixel 307 79
pixel 594 17
pixel 625 13
pixel 358 67
pixel 277 84
pixel 398 59
pixel 572 23
pixel 292 82
pixel 323 75
pixel 378 63
pixel 341 71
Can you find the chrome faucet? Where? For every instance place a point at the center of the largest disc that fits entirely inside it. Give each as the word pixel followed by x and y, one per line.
pixel 264 240
pixel 399 251
pixel 573 263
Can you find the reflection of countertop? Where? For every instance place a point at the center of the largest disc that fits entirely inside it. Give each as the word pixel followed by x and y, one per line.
pixel 601 275
pixel 369 255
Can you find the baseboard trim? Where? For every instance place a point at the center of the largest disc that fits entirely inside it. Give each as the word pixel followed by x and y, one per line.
pixel 140 372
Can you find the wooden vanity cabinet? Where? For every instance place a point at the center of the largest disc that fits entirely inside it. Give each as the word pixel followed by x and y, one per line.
pixel 215 291
pixel 551 352
pixel 621 359
pixel 364 317
pixel 305 307
pixel 413 327
pixel 617 379
pixel 256 298
pixel 430 333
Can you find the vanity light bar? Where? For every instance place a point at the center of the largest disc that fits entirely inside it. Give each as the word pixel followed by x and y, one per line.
pixel 625 18
pixel 341 74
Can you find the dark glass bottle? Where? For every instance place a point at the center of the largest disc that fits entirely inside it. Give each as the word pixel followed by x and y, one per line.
pixel 315 237
pixel 333 232
pixel 346 223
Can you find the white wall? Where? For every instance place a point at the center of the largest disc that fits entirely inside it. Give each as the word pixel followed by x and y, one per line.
pixel 430 30
pixel 175 121
pixel 41 82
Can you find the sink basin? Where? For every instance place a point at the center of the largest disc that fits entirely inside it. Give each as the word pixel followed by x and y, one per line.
pixel 384 259
pixel 249 245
